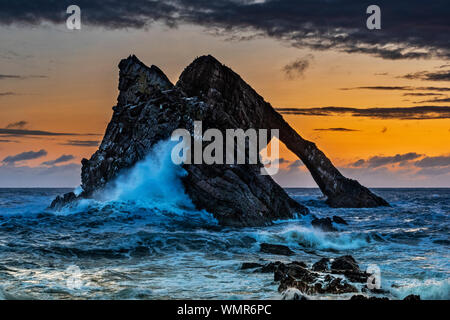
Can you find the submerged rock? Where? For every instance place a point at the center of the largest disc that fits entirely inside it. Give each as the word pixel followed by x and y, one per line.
pixel 348 266
pixel 322 265
pixel 293 294
pixel 308 282
pixel 412 297
pixel 276 249
pixel 339 220
pixel 324 224
pixel 296 278
pixel 149 108
pixel 251 265
pixel 61 201
pixel 360 297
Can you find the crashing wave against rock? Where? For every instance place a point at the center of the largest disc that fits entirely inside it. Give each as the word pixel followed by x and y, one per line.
pixel 150 108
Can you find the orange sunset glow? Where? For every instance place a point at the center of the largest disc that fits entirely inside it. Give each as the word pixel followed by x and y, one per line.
pixel 67 81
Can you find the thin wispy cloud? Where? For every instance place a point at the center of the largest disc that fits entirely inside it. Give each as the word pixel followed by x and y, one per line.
pixel 61 159
pixel 297 68
pixel 9 93
pixel 82 143
pixel 439 161
pixel 409 113
pixel 336 129
pixel 379 161
pixel 18 124
pixel 422 94
pixel 398 88
pixel 296 164
pixel 28 155
pixel 21 77
pixel 428 76
pixel 24 132
pixel 435 100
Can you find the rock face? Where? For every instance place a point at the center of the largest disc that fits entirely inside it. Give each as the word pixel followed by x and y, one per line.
pixel 296 277
pixel 150 108
pixel 276 249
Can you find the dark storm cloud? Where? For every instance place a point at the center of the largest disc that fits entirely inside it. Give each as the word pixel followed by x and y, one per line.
pixel 398 88
pixel 82 143
pixel 379 161
pixel 62 159
pixel 410 29
pixel 411 113
pixel 430 76
pixel 18 124
pixel 439 161
pixel 296 68
pixel 336 129
pixel 28 155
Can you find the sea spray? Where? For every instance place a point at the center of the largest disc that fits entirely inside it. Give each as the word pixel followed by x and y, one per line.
pixel 153 181
pixel 308 237
pixel 151 189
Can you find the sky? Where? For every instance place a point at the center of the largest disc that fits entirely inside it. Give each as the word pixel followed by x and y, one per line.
pixel 375 101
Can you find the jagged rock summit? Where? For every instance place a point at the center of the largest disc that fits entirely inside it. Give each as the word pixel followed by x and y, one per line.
pixel 150 108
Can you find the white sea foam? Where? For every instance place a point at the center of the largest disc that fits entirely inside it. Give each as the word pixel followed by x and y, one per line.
pixel 429 289
pixel 309 237
pixel 152 181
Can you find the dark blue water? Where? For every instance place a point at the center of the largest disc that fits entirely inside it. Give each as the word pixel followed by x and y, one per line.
pixel 154 247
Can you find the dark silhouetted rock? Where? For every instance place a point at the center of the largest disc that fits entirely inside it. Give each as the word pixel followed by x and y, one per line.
pixel 293 294
pixel 344 263
pixel 251 265
pixel 412 297
pixel 308 282
pixel 237 102
pixel 339 220
pixel 360 297
pixel 347 266
pixel 324 224
pixel 269 268
pixel 322 265
pixel 276 249
pixel 374 290
pixel 149 108
pixel 293 268
pixel 60 202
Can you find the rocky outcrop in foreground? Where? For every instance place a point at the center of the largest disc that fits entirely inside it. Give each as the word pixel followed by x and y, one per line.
pixel 341 275
pixel 150 108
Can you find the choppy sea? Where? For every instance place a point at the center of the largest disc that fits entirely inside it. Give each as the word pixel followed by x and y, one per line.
pixel 133 248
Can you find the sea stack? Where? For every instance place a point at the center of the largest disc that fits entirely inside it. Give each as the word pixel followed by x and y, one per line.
pixel 150 108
